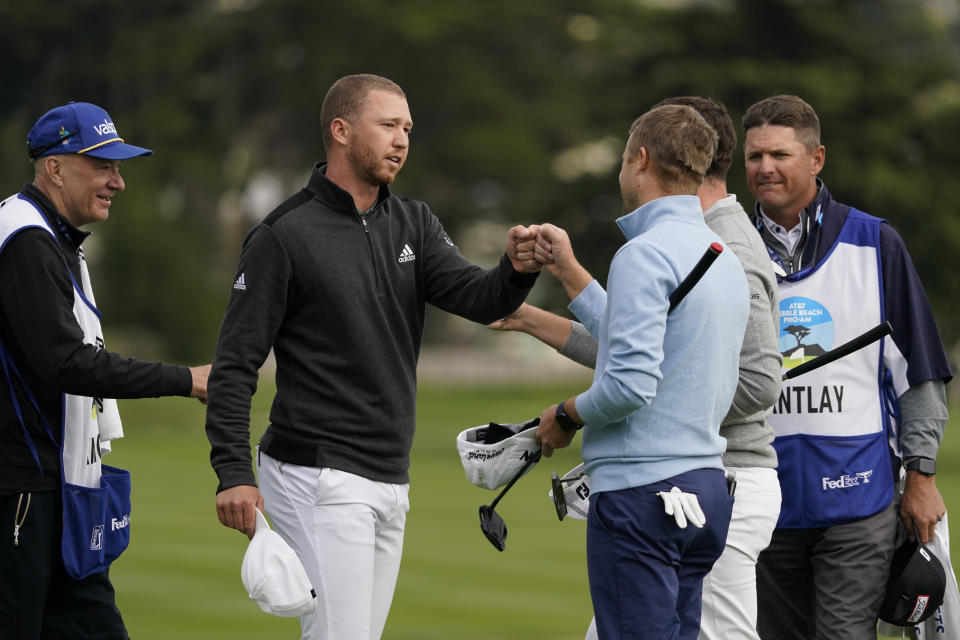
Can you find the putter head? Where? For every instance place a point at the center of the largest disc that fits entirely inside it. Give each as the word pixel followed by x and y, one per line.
pixel 559 502
pixel 493 527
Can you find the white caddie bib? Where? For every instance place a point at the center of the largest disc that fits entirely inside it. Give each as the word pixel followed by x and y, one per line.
pixel 831 424
pixel 95 497
pixel 88 422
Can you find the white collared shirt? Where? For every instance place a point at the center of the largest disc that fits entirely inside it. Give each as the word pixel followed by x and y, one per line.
pixel 789 238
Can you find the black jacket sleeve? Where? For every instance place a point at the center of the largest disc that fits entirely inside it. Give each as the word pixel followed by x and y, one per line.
pixel 252 318
pixel 454 284
pixel 36 294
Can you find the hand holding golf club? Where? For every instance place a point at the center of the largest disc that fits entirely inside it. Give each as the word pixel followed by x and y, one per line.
pixel 550 434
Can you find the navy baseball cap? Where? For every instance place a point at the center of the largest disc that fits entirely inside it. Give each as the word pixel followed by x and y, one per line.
pixel 79 127
pixel 915 587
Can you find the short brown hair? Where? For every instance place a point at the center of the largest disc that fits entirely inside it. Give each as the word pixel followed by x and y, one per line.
pixel 786 111
pixel 717 117
pixel 345 99
pixel 681 145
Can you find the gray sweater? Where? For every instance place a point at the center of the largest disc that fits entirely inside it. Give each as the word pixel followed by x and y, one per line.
pixel 748 435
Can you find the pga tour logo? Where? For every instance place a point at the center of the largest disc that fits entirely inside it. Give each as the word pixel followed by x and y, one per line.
pixel 96 538
pixel 846 481
pixel 96 534
pixel 105 128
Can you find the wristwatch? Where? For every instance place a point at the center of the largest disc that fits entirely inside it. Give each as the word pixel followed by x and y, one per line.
pixel 566 422
pixel 926 466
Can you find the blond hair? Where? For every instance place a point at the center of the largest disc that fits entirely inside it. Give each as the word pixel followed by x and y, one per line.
pixel 680 144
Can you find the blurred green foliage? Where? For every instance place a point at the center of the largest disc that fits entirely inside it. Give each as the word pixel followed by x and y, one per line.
pixel 520 111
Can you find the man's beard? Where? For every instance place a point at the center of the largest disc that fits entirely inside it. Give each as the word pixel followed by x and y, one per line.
pixel 369 166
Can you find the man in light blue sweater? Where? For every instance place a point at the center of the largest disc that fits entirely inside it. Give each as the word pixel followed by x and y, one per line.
pixel 662 386
pixel 730 589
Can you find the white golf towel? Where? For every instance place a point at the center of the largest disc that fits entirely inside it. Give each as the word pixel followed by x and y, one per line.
pixel 944 624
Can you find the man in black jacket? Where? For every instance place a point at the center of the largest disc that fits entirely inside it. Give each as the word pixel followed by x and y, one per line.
pixel 55 408
pixel 335 280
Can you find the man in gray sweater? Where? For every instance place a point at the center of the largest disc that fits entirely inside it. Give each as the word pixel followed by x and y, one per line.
pixel 729 590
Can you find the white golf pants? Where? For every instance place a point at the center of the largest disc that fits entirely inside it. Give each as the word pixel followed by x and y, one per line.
pixel 348 532
pixel 730 589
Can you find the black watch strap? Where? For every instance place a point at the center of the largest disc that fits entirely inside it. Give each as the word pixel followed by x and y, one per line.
pixel 566 422
pixel 926 466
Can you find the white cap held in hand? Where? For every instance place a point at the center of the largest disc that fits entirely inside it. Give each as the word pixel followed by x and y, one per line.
pixel 273 575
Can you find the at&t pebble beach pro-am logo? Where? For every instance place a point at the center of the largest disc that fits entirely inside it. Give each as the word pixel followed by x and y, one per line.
pixel 806 330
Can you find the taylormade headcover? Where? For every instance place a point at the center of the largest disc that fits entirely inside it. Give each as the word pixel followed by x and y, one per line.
pixel 492 454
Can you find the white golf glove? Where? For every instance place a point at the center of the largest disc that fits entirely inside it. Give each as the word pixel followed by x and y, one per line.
pixel 683 506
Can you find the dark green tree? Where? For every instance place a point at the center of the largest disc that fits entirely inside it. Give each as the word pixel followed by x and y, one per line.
pixel 521 111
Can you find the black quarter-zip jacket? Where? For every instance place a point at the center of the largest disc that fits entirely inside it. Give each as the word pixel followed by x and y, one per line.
pixel 341 300
pixel 38 328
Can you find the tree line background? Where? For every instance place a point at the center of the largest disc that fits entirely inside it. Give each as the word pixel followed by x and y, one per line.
pixel 520 108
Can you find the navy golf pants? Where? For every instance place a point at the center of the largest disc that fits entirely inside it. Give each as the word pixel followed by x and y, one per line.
pixel 645 572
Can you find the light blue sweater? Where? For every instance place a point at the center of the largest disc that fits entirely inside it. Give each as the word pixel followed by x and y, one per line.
pixel 662 384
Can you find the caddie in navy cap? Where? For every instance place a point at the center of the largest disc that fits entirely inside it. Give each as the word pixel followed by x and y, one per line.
pixel 57 370
pixel 79 127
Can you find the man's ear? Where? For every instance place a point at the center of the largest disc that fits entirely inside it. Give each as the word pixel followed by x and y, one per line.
pixel 819 157
pixel 52 169
pixel 642 161
pixel 340 129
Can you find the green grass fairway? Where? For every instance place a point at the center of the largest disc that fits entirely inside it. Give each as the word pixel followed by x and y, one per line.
pixel 180 578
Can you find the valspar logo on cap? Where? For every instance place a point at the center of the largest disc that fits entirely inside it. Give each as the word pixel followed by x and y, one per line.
pixel 105 128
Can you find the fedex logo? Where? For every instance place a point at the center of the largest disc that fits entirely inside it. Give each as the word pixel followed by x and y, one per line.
pixel 846 481
pixel 105 128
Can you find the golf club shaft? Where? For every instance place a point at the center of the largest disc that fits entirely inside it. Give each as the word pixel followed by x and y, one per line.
pixel 678 294
pixel 523 469
pixel 868 337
